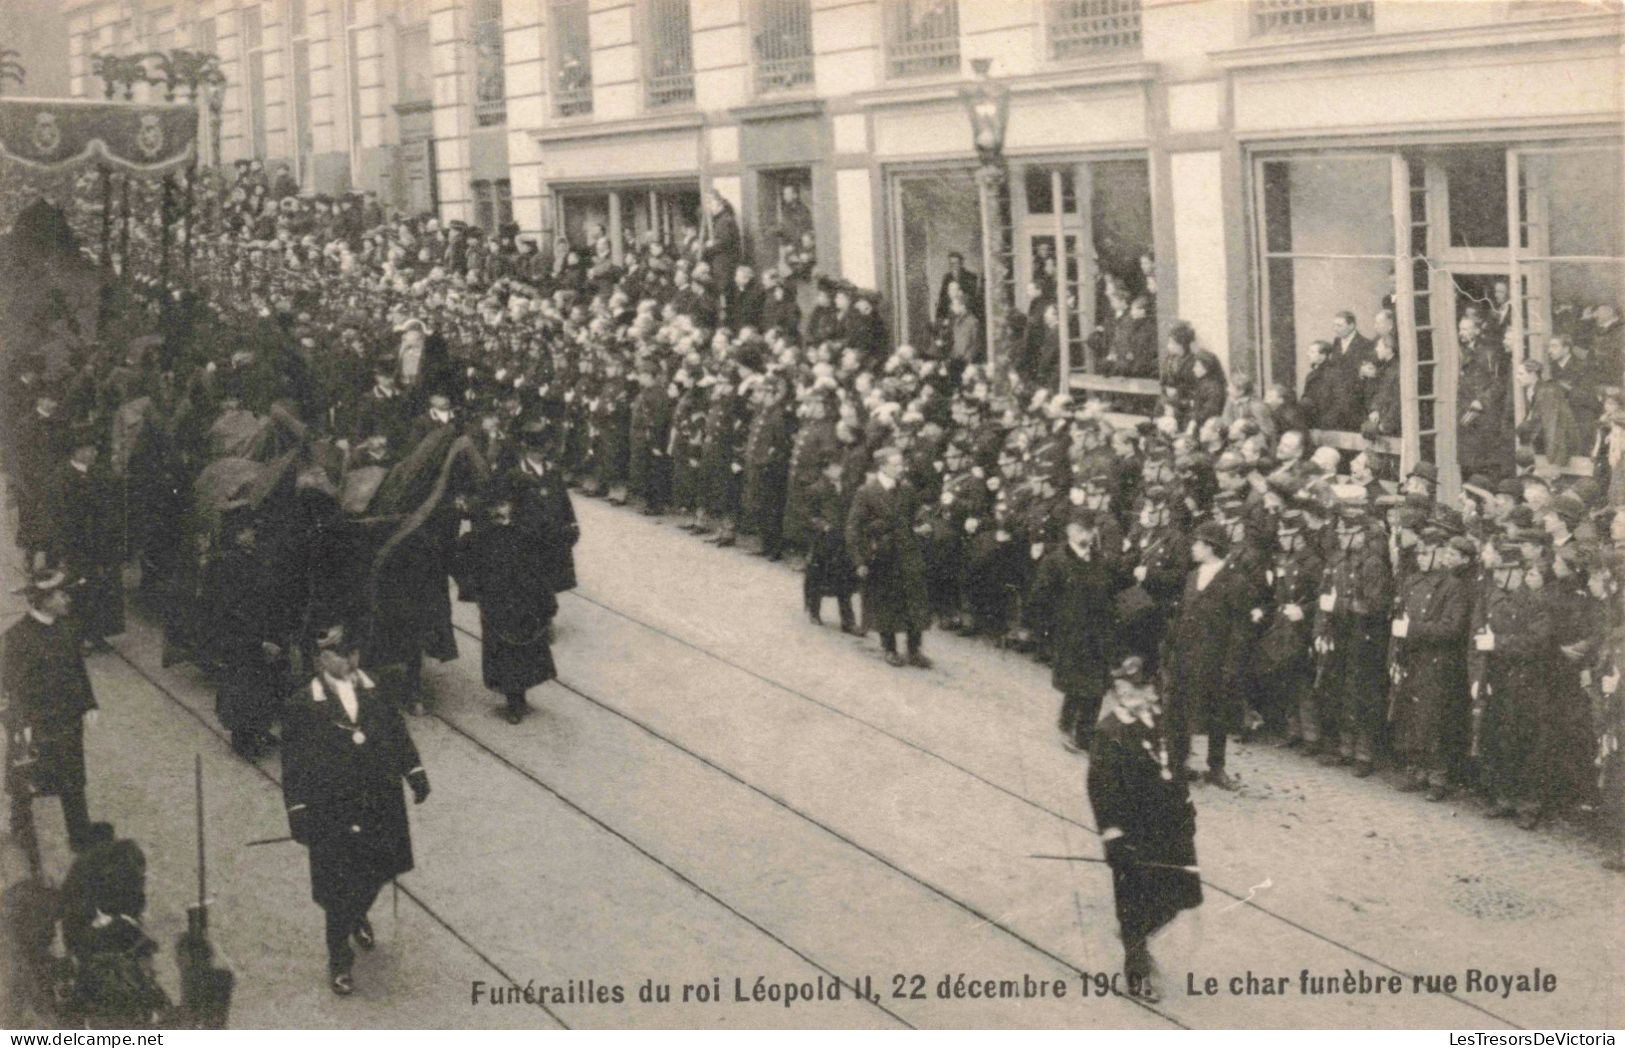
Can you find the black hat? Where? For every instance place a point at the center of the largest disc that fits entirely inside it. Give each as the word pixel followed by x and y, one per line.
pixel 1428 472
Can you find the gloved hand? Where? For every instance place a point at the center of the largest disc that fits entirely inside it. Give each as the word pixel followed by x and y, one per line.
pixel 419 781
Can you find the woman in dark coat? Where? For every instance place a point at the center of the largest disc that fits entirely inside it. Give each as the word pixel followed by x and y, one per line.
pixel 1074 590
pixel 1146 820
pixel 880 539
pixel 1206 652
pixel 1207 393
pixel 507 575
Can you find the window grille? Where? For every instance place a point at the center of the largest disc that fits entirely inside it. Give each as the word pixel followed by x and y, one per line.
pixel 490 91
pixel 572 59
pixel 1292 16
pixel 782 45
pixel 1079 28
pixel 922 37
pixel 670 55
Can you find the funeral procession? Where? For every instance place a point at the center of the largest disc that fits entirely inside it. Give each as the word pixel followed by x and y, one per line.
pixel 879 514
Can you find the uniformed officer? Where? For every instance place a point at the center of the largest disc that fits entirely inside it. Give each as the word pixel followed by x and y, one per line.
pixel 48 702
pixel 345 752
pixel 1147 822
pixel 1429 662
pixel 1351 637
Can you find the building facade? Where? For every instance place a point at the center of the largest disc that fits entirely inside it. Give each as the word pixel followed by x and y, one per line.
pixel 1259 164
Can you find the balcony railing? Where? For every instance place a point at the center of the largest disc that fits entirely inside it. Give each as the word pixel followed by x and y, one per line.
pixel 572 59
pixel 1080 28
pixel 669 79
pixel 782 44
pixel 922 37
pixel 1294 16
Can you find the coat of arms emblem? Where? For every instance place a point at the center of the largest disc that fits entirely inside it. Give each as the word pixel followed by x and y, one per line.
pixel 150 138
pixel 47 137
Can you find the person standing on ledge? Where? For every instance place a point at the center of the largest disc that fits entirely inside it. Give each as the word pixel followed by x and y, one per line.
pixel 1146 820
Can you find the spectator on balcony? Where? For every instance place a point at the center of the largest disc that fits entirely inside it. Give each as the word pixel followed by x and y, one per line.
pixel 968 282
pixel 965 342
pixel 1285 410
pixel 743 300
pixel 1484 438
pixel 1174 371
pixel 795 219
pixel 1549 426
pixel 1349 347
pixel 1577 379
pixel 1244 406
pixel 1134 342
pixel 1207 392
pixel 1381 378
pixel 1608 346
pixel 1326 400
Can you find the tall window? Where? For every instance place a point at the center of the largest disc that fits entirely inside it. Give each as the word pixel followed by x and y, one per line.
pixel 922 37
pixel 490 94
pixel 668 54
pixel 254 49
pixel 572 59
pixel 1080 28
pixel 1291 16
pixel 781 42
pixel 493 204
pixel 414 58
pixel 304 142
pixel 203 34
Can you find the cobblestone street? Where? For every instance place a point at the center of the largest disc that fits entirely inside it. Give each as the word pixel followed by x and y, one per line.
pixel 716 789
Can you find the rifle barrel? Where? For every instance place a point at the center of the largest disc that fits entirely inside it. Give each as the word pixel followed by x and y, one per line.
pixel 202 862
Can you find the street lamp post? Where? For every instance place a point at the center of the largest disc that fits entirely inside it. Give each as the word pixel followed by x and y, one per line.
pixel 988 104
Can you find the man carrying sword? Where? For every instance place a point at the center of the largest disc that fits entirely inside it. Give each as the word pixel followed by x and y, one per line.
pixel 345 752
pixel 1146 820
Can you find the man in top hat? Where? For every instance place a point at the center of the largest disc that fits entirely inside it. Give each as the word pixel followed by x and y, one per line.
pixel 1073 589
pixel 240 591
pixel 47 704
pixel 87 540
pixel 1146 819
pixel 345 753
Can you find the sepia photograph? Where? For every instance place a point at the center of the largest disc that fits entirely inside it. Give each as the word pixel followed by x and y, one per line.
pixel 812 515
